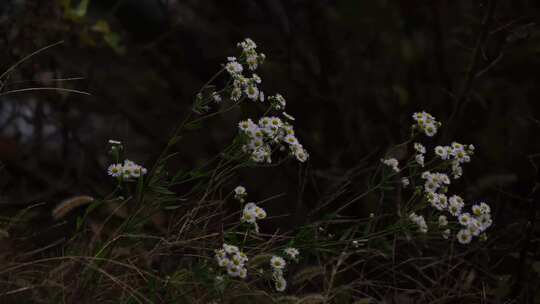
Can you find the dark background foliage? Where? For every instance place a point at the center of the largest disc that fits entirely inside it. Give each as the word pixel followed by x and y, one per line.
pixel 352 71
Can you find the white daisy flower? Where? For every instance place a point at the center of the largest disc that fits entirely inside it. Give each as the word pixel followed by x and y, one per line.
pixel 442 152
pixel 277 263
pixel 291 252
pixel 301 155
pixel 240 190
pixel 457 146
pixel 443 200
pixel 430 187
pixel 464 236
pixel 291 140
pixel 476 210
pixel 464 219
pixel 230 249
pixel 247 45
pixel 243 273
pixel 264 122
pixel 236 93
pixel 474 227
pixel 485 221
pixel 484 208
pixel 252 61
pixel 234 67
pixel 233 270
pixel 137 171
pixel 115 170
pixel 280 283
pixel 240 193
pixel 462 157
pixel 245 125
pixel 249 216
pixel 430 129
pixel 455 205
pixel 443 221
pixel 252 92
pixel 242 257
pixel 420 148
pixel 223 262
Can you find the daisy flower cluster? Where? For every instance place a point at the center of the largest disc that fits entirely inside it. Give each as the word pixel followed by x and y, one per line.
pixel 474 224
pixel 435 189
pixel 232 259
pixel 443 222
pixel 392 163
pixel 277 102
pixel 244 85
pixel 278 266
pixel 419 156
pixel 252 213
pixel 127 170
pixel 249 54
pixel 457 154
pixel 426 123
pixel 435 186
pixel 269 133
pixel 434 182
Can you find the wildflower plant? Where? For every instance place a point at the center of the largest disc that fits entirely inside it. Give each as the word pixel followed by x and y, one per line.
pixel 126 170
pixel 433 183
pixel 226 252
pixel 233 260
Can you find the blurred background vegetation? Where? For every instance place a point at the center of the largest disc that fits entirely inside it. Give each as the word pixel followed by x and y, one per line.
pixel 352 72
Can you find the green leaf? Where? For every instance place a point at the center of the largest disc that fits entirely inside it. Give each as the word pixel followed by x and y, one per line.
pixel 162 190
pixel 140 188
pixel 93 206
pixel 178 177
pixel 198 173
